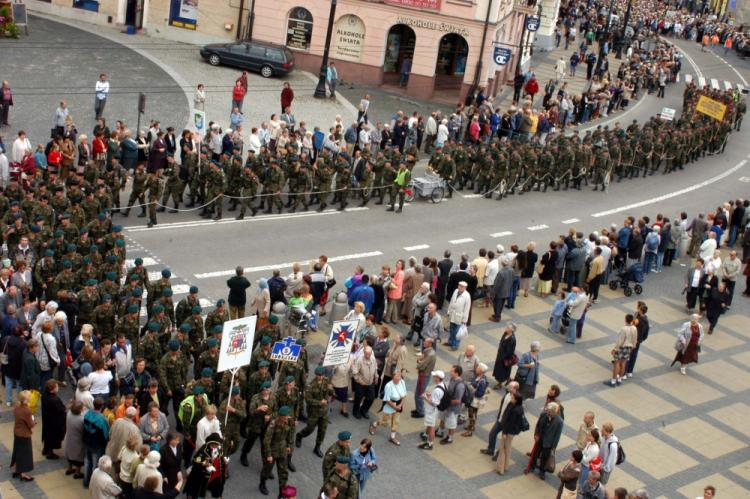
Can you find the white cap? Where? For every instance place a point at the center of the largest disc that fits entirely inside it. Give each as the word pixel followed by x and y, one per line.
pixel 438 374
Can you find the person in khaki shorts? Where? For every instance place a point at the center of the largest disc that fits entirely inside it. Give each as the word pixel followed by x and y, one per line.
pixel 512 424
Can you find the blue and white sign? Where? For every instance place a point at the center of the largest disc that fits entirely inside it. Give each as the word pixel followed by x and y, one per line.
pixel 532 23
pixel 502 55
pixel 340 343
pixel 286 350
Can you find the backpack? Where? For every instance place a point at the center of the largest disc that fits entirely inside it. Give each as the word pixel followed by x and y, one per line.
pixel 620 453
pixel 468 396
pixel 445 401
pixel 92 434
pixel 652 242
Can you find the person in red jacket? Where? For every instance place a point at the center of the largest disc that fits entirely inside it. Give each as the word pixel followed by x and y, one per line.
pixel 54 158
pixel 532 87
pixel 99 147
pixel 238 95
pixel 287 96
pixel 474 130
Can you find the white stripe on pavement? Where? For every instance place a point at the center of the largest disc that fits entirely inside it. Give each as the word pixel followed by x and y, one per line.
pixel 265 268
pixel 672 194
pixel 201 223
pixel 417 247
pixel 701 82
pixel 714 83
pixel 462 241
pixel 571 221
pixel 155 276
pixel 688 78
pixel 206 303
pixel 471 196
pixel 147 262
pixel 538 227
pixel 502 234
pixel 732 68
pixel 727 85
pixel 677 78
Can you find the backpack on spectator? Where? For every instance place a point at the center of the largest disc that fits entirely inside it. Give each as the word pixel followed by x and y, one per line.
pixel 468 396
pixel 620 453
pixel 445 401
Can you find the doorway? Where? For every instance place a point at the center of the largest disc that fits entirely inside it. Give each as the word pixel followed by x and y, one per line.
pixel 450 66
pixel 134 13
pixel 399 47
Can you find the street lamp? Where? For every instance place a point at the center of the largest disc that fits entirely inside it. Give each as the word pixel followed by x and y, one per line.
pixel 605 38
pixel 320 90
pixel 623 33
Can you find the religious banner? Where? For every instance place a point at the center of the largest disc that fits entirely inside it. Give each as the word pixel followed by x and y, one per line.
pixel 199 121
pixel 340 343
pixel 237 343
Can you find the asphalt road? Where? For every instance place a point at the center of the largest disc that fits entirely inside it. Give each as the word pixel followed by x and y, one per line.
pixel 371 236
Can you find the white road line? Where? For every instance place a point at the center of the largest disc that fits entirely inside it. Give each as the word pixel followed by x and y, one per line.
pixel 701 82
pixel 417 247
pixel 206 303
pixel 732 68
pixel 502 234
pixel 265 268
pixel 689 60
pixel 727 85
pixel 462 241
pixel 571 221
pixel 672 194
pixel 155 276
pixel 677 78
pixel 538 227
pixel 147 262
pixel 688 78
pixel 196 223
pixel 714 83
pixel 471 196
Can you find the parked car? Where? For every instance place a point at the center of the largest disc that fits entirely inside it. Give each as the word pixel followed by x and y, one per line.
pixel 268 59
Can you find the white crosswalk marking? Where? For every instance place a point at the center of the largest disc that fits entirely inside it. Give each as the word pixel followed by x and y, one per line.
pixel 714 83
pixel 701 82
pixel 502 234
pixel 740 87
pixel 416 247
pixel 147 262
pixel 688 78
pixel 727 85
pixel 462 241
pixel 154 276
pixel 677 78
pixel 205 303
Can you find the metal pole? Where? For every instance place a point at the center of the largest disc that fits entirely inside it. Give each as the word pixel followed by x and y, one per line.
pixel 605 38
pixel 320 90
pixel 251 21
pixel 521 44
pixel 229 397
pixel 624 29
pixel 239 20
pixel 478 71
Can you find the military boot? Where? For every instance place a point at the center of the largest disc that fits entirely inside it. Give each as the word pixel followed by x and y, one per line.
pixel 142 214
pixel 289 464
pixel 262 487
pixel 161 209
pixel 176 207
pixel 317 451
pixel 125 212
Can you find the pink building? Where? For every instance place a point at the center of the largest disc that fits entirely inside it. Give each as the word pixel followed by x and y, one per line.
pixel 375 41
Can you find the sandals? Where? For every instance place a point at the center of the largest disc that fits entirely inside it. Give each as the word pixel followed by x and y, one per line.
pixel 394 441
pixel 372 429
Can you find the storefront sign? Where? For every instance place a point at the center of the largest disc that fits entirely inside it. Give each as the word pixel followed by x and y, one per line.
pixel 532 23
pixel 350 38
pixel 433 25
pixel 502 55
pixel 418 4
pixel 299 29
pixel 711 107
pixel 184 13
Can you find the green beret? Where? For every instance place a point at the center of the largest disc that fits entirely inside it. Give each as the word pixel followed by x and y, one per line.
pixel 158 309
pixel 266 340
pixel 301 342
pixel 86 260
pixel 320 371
pixel 207 372
pixel 117 228
pixel 94 248
pixel 91 282
pixel 212 342
pixel 107 298
pixel 152 326
pixel 345 435
pixel 264 363
pixel 174 345
pixel 193 290
pixel 111 258
pixel 342 458
pixel 166 273
pixel 220 303
pixel 167 292
pixel 236 390
pixel 119 243
pixel 49 252
pixel 185 327
pixel 71 248
pixel 138 261
pixel 266 385
pixel 196 309
pixel 284 410
pixel 59 233
pixel 132 309
pixel 137 293
pixel 288 379
pixel 218 328
pixel 198 389
pixel 111 275
pixel 273 319
pixel 67 264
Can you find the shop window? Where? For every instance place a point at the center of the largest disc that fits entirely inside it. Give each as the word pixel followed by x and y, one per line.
pixel 299 28
pixel 184 13
pixel 92 5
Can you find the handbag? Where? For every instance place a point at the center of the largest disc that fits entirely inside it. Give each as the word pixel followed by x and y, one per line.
pixel 462 333
pixel 4 355
pixel 549 465
pixel 511 361
pixel 52 362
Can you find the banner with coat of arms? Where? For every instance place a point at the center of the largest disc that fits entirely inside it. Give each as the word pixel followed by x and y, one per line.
pixel 340 343
pixel 237 343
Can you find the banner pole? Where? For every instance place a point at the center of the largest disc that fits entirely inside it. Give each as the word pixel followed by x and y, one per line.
pixel 229 397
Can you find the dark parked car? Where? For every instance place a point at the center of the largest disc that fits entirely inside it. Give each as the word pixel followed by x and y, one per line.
pixel 268 59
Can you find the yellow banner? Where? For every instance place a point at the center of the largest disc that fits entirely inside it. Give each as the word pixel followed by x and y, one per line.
pixel 711 107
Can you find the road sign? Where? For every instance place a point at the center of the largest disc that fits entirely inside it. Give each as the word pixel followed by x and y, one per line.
pixel 532 23
pixel 286 350
pixel 340 343
pixel 502 55
pixel 236 343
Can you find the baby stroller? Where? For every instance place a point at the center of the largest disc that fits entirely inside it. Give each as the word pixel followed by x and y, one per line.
pixel 634 273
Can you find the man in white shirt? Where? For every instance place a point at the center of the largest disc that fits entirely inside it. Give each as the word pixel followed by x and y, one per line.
pixel 458 312
pixel 442 133
pixel 61 113
pixel 432 400
pixel 707 248
pixel 430 131
pixel 101 90
pixel 364 138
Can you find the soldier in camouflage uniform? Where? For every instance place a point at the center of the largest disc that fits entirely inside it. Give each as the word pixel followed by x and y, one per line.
pixel 104 319
pixel 323 179
pixel 317 396
pixel 277 443
pixel 195 323
pixel 389 176
pixel 218 316
pixel 205 379
pixel 88 299
pixel 151 350
pixel 216 186
pixel 257 379
pixel 343 181
pixel 288 395
pixel 260 353
pixel 272 187
pixel 259 413
pixel 173 186
pixel 236 408
pixel 138 191
pixel 185 306
pixel 173 377
pixel 343 478
pixel 233 174
pixel 249 186
pixel 341 447
pixel 129 326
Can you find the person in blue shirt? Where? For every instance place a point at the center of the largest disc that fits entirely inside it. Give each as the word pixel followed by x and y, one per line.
pixel 236 118
pixel 364 293
pixel 40 158
pixel 557 312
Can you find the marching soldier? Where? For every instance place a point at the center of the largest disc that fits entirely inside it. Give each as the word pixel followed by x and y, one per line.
pixel 341 447
pixel 343 478
pixel 260 411
pixel 173 186
pixel 249 186
pixel 277 443
pixel 216 186
pixel 235 406
pixel 189 412
pixel 138 191
pixel 185 306
pixel 317 395
pixel 288 395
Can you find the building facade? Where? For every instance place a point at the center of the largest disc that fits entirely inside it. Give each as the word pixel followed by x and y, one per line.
pixel 445 46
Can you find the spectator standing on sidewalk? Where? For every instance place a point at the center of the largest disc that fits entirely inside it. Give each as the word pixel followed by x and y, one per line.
pixel 238 95
pixel 458 312
pixel 425 365
pixel 730 271
pixel 238 285
pixel 642 326
pixel 287 96
pixel 626 340
pixel 101 90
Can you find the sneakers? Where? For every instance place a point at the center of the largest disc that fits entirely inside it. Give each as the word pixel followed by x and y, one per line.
pixel 487 452
pixel 423 436
pixel 446 440
pixel 683 370
pixel 425 446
